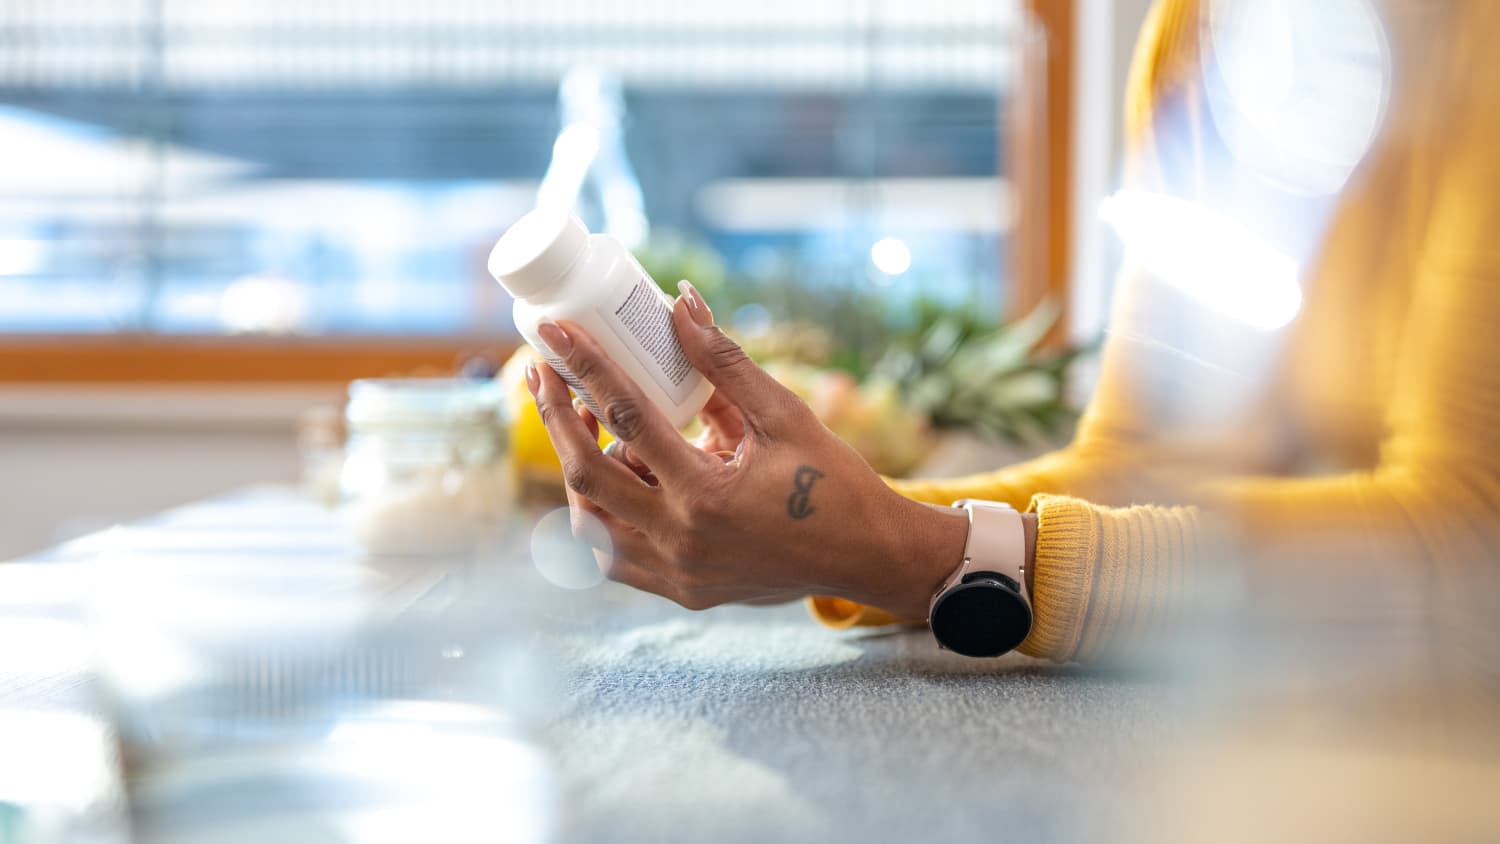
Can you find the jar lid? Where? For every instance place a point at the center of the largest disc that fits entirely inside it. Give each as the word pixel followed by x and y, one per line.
pixel 537 250
pixel 422 402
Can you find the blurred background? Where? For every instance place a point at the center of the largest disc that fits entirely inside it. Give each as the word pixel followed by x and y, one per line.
pixel 215 214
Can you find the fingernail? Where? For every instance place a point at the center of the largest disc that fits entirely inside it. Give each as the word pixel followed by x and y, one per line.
pixel 578 404
pixel 533 381
pixel 556 339
pixel 696 306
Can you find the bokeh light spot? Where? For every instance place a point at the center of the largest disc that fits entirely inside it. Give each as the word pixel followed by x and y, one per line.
pixel 563 559
pixel 891 256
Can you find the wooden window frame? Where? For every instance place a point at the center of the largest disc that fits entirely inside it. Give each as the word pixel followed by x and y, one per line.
pixel 167 359
pixel 1040 129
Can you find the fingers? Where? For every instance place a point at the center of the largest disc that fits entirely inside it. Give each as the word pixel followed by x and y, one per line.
pixel 621 553
pixel 764 403
pixel 616 450
pixel 722 419
pixel 586 470
pixel 621 569
pixel 590 421
pixel 628 414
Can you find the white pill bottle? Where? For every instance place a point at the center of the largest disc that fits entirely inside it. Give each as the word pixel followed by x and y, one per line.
pixel 556 270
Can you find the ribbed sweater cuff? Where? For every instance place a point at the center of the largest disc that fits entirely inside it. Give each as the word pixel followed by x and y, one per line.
pixel 1067 546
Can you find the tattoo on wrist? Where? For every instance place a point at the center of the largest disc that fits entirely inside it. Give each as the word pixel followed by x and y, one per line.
pixel 797 505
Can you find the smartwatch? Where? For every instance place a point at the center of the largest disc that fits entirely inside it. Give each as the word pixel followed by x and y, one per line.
pixel 983 608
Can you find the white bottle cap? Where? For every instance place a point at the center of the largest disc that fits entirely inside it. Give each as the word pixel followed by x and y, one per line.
pixel 536 250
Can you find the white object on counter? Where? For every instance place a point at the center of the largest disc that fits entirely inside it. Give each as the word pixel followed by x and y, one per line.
pixel 425 470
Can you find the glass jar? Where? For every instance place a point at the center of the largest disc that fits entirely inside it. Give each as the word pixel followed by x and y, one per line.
pixel 425 467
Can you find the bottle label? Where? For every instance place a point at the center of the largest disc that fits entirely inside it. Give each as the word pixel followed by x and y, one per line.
pixel 570 379
pixel 644 321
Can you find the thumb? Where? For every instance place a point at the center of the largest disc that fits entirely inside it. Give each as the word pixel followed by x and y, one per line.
pixel 763 401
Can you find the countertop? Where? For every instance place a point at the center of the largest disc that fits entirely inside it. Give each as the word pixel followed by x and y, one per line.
pixel 735 724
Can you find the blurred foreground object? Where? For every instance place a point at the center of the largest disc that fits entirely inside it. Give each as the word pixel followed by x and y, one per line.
pixel 1225 790
pixel 426 469
pixel 268 682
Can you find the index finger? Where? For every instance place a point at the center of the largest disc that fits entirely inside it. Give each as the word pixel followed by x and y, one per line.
pixel 632 417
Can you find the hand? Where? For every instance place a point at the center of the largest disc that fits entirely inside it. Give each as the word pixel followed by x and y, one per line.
pixel 723 431
pixel 796 512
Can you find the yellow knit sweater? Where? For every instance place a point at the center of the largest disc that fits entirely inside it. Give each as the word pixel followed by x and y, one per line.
pixel 1365 434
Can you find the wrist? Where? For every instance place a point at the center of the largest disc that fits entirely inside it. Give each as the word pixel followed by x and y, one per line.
pixel 925 548
pixel 925 544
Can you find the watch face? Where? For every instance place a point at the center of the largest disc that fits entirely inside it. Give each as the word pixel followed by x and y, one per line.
pixel 980 618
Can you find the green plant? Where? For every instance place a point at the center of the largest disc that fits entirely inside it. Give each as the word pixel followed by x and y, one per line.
pixel 948 364
pixel 960 373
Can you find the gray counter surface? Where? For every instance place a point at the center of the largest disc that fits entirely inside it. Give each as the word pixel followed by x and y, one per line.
pixel 735 724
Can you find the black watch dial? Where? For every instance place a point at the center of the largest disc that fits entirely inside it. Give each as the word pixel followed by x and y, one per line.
pixel 983 616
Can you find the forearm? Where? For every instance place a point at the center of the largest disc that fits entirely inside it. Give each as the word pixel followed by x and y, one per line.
pixel 1426 525
pixel 1109 580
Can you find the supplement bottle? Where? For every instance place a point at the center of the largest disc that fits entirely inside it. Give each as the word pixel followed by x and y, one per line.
pixel 556 270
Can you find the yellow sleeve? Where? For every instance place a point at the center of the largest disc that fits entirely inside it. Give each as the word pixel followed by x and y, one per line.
pixel 1425 513
pixel 1424 520
pixel 1428 513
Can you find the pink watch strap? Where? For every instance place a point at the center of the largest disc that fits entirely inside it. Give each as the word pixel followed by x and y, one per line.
pixel 997 543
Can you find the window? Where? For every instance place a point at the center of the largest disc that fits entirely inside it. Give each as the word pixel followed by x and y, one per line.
pixel 317 167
